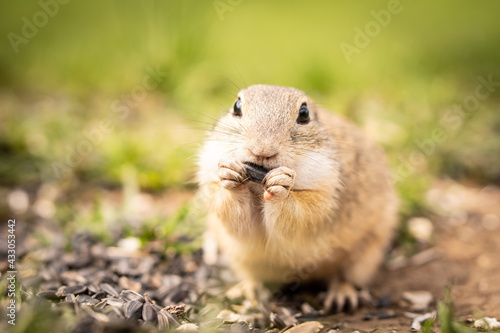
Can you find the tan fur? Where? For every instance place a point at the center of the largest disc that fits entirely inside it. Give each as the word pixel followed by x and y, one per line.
pixel 335 221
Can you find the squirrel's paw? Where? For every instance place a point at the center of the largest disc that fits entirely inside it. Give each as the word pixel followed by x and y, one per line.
pixel 343 296
pixel 251 291
pixel 232 174
pixel 278 183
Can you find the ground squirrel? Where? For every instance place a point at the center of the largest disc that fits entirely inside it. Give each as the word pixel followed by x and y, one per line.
pixel 325 210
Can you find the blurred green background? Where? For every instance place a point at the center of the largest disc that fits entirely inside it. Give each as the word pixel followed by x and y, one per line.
pixel 80 107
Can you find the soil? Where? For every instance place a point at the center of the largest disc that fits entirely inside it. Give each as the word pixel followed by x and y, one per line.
pixel 462 256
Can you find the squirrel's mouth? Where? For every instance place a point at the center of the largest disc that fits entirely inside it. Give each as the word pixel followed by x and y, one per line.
pixel 256 172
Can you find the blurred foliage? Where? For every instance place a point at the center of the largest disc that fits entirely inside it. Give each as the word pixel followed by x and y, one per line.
pixel 89 62
pixel 445 314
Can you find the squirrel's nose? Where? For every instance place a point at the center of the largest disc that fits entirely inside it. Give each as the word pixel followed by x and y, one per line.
pixel 262 152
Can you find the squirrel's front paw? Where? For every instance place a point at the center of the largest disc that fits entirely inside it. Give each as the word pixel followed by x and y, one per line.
pixel 232 174
pixel 278 183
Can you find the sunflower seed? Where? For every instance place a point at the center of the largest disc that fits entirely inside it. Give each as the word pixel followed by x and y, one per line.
pixel 256 172
pixel 130 295
pixel 50 295
pixel 133 310
pixel 149 314
pixel 277 321
pixel 77 289
pixel 99 295
pixel 86 299
pixel 101 304
pixel 166 320
pixel 116 302
pixel 110 290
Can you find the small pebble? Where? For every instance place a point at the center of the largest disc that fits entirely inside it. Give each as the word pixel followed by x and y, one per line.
pixel 188 327
pixel 18 201
pixel 421 228
pixel 490 222
pixel 228 316
pixel 487 322
pixel 416 324
pixel 419 300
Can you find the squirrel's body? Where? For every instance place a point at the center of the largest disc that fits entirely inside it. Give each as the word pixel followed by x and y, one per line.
pixel 326 209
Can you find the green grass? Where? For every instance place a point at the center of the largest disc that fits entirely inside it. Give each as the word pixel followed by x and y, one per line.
pixel 66 80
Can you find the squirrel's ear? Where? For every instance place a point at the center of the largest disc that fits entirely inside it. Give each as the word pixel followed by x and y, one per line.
pixel 303 117
pixel 237 108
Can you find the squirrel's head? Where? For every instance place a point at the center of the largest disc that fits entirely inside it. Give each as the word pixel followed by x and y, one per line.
pixel 272 126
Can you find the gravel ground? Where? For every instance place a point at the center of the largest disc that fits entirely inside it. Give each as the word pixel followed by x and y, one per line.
pixel 91 287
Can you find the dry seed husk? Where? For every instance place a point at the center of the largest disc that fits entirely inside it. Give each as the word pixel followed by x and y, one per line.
pixel 240 327
pixel 110 290
pixel 307 327
pixel 99 295
pixel 277 321
pixel 101 304
pixel 166 320
pixel 86 299
pixel 133 309
pixel 116 302
pixel 77 289
pixel 50 295
pixel 130 295
pixel 149 313
pixel 211 324
pixel 256 172
pixel 93 288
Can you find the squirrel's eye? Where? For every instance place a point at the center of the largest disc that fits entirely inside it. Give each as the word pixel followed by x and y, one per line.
pixel 303 117
pixel 237 108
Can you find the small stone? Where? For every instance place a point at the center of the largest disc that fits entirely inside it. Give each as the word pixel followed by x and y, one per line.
pixel 421 228
pixel 18 201
pixel 188 327
pixel 131 244
pixel 127 283
pixel 416 324
pixel 487 322
pixel 419 300
pixel 228 316
pixel 44 208
pixel 490 222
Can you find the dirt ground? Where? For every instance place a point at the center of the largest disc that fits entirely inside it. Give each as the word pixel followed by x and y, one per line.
pixel 461 254
pixel 464 255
